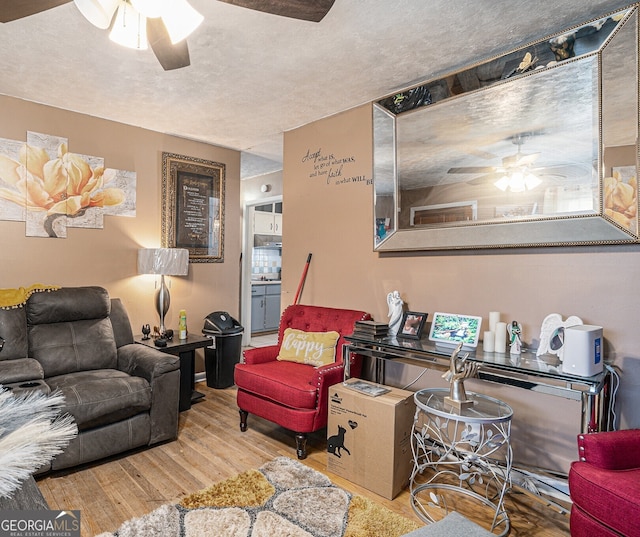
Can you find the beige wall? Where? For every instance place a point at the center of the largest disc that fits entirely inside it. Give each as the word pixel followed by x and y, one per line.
pixel 334 222
pixel 108 257
pixel 250 188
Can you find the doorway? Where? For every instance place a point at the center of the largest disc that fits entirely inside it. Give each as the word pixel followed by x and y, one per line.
pixel 260 268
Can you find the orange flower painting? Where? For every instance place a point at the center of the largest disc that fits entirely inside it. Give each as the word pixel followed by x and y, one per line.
pixel 621 197
pixel 47 187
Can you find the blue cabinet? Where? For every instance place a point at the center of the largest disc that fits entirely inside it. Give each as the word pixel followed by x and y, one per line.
pixel 265 307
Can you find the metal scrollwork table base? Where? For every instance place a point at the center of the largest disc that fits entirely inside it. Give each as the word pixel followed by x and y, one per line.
pixel 464 451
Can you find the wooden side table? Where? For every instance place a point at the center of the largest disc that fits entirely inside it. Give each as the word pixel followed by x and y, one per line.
pixel 185 349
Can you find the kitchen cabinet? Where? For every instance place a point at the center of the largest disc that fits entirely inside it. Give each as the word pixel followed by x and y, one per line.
pixel 267 219
pixel 267 223
pixel 265 307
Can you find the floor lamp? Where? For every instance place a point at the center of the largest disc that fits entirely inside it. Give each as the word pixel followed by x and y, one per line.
pixel 166 262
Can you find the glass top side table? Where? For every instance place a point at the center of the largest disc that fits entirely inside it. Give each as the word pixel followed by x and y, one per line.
pixel 461 453
pixel 484 409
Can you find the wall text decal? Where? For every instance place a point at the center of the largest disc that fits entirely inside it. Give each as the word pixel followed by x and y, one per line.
pixel 335 170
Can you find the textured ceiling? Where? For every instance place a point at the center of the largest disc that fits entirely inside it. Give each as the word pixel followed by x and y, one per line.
pixel 254 76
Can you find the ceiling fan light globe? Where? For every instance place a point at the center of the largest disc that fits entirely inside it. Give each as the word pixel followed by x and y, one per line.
pixel 129 28
pixel 150 8
pixel 531 181
pixel 516 182
pixel 180 19
pixel 97 12
pixel 502 183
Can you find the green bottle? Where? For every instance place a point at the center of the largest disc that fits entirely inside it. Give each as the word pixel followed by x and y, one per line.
pixel 182 325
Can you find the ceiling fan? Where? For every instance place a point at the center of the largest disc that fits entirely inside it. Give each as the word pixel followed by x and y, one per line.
pixel 169 47
pixel 517 172
pixel 518 159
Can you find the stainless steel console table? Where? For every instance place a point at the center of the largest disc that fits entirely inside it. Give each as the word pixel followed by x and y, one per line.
pixel 527 371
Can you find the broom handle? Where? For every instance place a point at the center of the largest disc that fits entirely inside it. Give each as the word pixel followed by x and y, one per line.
pixel 302 279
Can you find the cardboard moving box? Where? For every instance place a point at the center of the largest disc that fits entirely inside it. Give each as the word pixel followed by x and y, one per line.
pixel 369 438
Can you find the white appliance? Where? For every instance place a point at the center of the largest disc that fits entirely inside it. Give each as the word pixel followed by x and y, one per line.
pixel 583 350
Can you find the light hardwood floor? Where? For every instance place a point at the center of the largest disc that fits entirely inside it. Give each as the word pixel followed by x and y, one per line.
pixel 211 448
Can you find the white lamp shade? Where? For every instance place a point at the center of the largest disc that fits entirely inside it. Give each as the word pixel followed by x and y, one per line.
pixel 167 261
pixel 180 19
pixel 97 12
pixel 129 28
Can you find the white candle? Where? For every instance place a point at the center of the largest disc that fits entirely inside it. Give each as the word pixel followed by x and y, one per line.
pixel 501 337
pixel 488 343
pixel 494 317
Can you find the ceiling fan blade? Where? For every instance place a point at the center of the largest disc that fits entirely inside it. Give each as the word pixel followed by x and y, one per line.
pixel 170 56
pixel 473 169
pixel 527 160
pixel 11 10
pixel 519 159
pixel 483 179
pixel 568 172
pixel 478 153
pixel 306 10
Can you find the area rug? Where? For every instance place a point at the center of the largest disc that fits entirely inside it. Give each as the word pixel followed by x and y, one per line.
pixel 283 498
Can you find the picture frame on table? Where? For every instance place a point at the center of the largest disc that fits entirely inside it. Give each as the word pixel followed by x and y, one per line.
pixel 412 324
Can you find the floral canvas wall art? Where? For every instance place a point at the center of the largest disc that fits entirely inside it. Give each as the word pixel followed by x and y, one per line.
pixel 12 194
pixel 51 189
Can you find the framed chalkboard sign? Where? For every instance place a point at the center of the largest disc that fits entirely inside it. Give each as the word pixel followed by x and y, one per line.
pixel 193 207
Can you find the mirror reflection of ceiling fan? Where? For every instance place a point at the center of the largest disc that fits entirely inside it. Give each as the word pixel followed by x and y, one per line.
pixel 162 24
pixel 517 172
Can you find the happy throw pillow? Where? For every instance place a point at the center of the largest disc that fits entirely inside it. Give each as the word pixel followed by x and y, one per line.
pixel 313 348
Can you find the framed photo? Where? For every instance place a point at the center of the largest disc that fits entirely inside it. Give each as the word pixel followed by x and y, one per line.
pixel 449 329
pixel 193 207
pixel 412 325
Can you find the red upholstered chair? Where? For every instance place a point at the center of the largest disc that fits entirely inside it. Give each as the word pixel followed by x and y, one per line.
pixel 295 395
pixel 605 485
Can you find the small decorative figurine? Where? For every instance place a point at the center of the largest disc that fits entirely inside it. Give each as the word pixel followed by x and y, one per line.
pixel 146 330
pixel 563 46
pixel 459 369
pixel 395 312
pixel 552 334
pixel 515 337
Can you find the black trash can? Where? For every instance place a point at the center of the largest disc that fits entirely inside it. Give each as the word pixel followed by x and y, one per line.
pixel 221 358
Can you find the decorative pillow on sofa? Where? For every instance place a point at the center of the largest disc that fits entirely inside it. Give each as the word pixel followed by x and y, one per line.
pixel 313 348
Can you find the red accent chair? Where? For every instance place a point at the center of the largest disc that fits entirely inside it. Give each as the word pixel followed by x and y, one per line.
pixel 294 395
pixel 605 485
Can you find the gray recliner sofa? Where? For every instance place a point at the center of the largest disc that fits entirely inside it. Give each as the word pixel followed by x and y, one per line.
pixel 77 340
